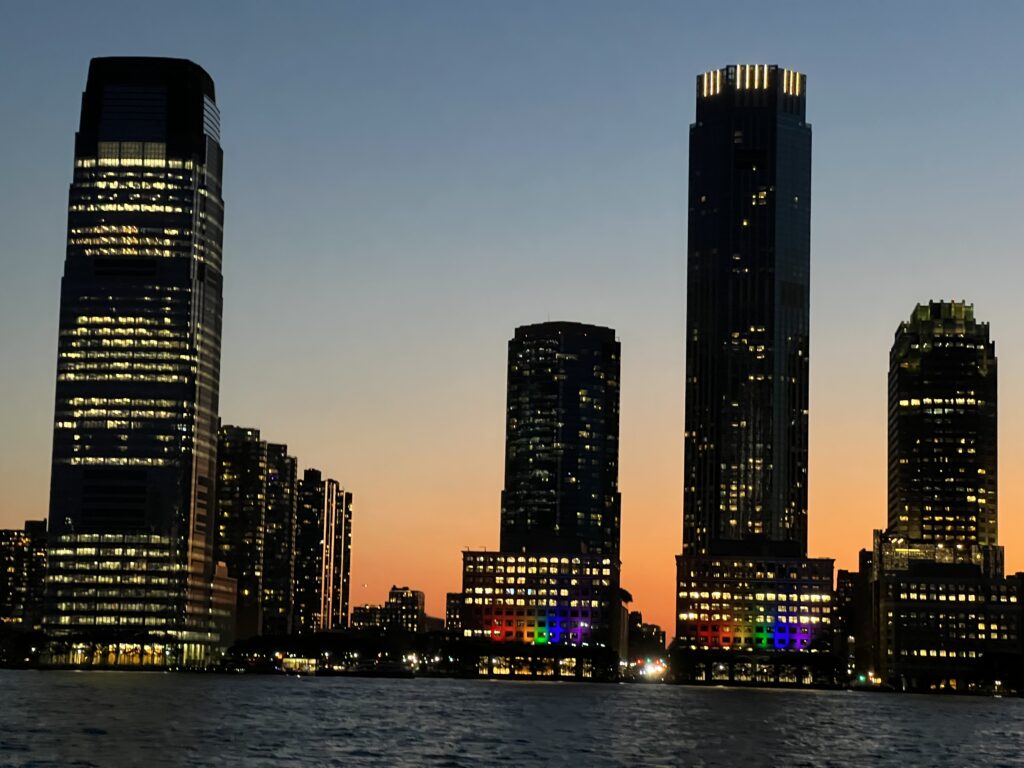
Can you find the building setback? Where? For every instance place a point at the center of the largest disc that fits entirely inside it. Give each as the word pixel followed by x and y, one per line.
pixel 138 369
pixel 744 582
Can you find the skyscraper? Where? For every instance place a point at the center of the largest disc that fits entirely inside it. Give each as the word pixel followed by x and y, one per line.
pixel 745 446
pixel 562 441
pixel 555 581
pixel 279 539
pixel 942 430
pixel 323 548
pixel 138 369
pixel 747 314
pixel 242 520
pixel 935 610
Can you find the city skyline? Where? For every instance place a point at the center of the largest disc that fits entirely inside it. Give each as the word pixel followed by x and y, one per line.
pixel 412 464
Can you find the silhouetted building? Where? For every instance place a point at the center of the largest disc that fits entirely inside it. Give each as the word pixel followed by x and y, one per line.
pixel 453 602
pixel 22 574
pixel 405 609
pixel 367 616
pixel 403 612
pixel 745 456
pixel 241 520
pixel 646 641
pixel 323 547
pixel 562 441
pixel 279 539
pixel 138 370
pixel 943 468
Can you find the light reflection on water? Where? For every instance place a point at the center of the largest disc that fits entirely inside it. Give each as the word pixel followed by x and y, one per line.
pixel 156 720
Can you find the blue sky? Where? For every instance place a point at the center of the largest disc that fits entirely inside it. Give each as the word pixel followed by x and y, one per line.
pixel 407 182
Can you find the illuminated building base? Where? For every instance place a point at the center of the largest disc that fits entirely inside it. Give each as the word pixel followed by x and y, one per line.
pixel 124 600
pixel 530 599
pixel 753 620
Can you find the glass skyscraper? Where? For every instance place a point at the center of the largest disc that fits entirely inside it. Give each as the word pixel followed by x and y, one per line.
pixel 138 368
pixel 747 314
pixel 562 441
pixel 750 606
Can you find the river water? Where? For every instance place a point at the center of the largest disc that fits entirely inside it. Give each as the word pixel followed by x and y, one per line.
pixel 156 720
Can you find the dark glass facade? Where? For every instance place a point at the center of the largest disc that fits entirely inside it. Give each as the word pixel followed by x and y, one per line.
pixel 943 470
pixel 747 315
pixel 562 441
pixel 138 367
pixel 242 519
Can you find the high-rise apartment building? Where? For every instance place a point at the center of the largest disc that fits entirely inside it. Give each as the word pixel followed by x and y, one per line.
pixel 22 573
pixel 138 367
pixel 279 541
pixel 750 606
pixel 323 548
pixel 747 314
pixel 562 441
pixel 943 470
pixel 242 519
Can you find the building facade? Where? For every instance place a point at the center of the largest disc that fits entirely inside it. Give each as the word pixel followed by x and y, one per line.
pixel 138 369
pixel 747 314
pixel 404 611
pixel 555 581
pixel 943 470
pixel 746 418
pixel 242 520
pixel 510 597
pixel 279 539
pixel 22 574
pixel 562 441
pixel 323 551
pixel 932 609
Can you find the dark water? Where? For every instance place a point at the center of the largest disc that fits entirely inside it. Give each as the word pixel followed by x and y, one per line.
pixel 156 720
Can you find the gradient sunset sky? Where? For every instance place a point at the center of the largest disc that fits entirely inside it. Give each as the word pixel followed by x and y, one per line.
pixel 406 182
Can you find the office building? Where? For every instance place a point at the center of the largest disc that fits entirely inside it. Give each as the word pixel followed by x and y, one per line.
pixel 933 609
pixel 747 314
pixel 555 580
pixel 562 441
pixel 510 597
pixel 22 574
pixel 943 470
pixel 746 417
pixel 135 428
